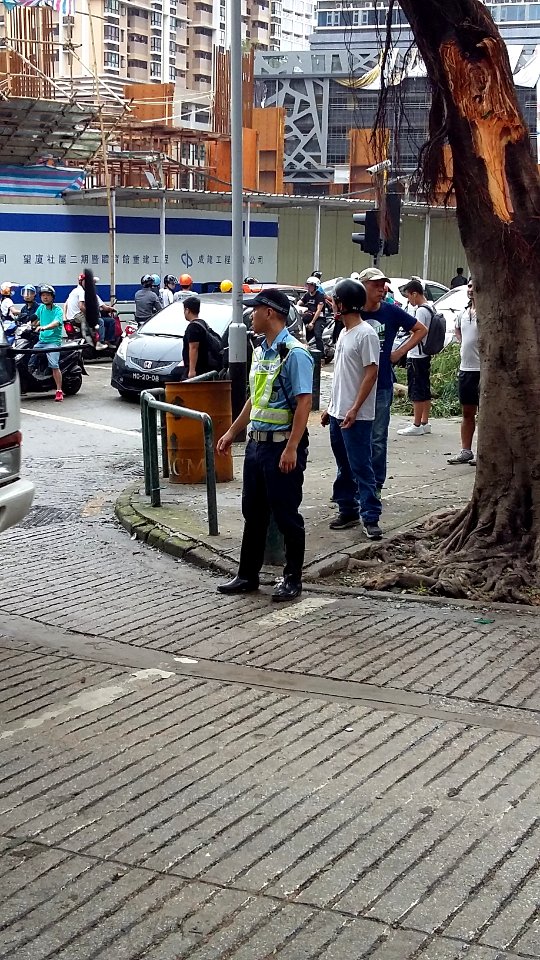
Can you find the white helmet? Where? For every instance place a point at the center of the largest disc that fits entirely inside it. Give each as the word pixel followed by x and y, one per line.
pixel 312 280
pixel 355 275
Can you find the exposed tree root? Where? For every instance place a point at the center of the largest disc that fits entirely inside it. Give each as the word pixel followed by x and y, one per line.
pixel 443 558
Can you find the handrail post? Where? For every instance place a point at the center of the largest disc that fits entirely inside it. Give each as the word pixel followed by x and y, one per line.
pixel 211 490
pixel 144 426
pixel 164 448
pixel 155 490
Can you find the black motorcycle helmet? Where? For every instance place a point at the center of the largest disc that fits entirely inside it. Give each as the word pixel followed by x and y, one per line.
pixel 316 273
pixel 350 296
pixel 146 280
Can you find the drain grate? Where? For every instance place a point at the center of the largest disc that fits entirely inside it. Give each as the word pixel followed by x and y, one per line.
pixel 43 516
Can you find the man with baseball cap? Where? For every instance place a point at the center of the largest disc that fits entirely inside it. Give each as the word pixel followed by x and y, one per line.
pixel 387 319
pixel 277 411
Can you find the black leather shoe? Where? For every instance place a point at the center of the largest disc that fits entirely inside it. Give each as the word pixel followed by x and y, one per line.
pixel 287 589
pixel 239 585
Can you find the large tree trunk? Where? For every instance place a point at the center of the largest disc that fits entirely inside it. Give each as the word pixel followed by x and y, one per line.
pixel 498 206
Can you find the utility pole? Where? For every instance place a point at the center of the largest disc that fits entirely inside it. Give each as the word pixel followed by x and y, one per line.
pixel 237 329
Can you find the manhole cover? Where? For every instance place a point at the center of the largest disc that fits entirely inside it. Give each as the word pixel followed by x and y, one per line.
pixel 44 516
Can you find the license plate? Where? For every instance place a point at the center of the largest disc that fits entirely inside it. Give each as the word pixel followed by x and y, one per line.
pixel 146 376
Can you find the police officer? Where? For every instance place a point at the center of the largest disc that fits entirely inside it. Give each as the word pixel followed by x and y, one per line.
pixel 277 411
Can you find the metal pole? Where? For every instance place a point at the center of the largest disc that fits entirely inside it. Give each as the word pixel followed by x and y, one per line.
pixel 146 459
pixel 162 235
pixel 112 245
pixel 153 461
pixel 317 245
pixel 238 336
pixel 211 491
pixel 247 232
pixel 164 447
pixel 427 234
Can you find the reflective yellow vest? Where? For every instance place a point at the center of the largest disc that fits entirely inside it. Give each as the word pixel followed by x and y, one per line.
pixel 262 378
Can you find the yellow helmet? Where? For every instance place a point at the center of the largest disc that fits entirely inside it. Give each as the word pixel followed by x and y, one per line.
pixel 225 286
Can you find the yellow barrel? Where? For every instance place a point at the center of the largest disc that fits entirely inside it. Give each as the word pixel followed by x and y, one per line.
pixel 185 438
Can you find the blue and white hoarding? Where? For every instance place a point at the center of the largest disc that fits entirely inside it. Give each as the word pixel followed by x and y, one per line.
pixel 53 243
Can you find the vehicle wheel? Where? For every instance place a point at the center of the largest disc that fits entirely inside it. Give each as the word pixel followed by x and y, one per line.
pixel 72 386
pixel 129 395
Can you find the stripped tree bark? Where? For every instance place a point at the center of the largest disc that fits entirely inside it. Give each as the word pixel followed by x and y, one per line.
pixel 493 546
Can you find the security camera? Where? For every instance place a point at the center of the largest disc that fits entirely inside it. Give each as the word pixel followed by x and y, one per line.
pixel 379 167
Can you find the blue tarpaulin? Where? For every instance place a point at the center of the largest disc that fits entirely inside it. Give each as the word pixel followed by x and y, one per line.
pixel 39 180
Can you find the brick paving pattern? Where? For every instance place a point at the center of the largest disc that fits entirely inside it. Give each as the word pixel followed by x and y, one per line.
pixel 149 813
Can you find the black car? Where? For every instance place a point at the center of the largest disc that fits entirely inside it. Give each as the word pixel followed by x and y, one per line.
pixel 153 356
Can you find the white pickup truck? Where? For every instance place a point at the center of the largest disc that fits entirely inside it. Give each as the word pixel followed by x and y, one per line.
pixel 16 494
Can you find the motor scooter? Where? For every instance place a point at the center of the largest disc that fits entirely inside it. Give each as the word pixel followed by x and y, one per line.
pixel 91 351
pixel 39 378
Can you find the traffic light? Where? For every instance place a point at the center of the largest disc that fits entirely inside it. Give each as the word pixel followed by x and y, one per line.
pixel 393 217
pixel 369 238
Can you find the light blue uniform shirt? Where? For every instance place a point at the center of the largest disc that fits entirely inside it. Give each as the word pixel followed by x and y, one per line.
pixel 296 373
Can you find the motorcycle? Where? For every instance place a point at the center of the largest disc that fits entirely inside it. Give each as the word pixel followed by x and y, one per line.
pixel 73 331
pixel 40 379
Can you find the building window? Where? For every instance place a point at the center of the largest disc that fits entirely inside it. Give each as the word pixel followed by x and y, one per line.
pixel 137 64
pixel 112 6
pixel 203 31
pixel 155 19
pixel 155 70
pixel 111 33
pixel 111 59
pixel 155 44
pixel 137 38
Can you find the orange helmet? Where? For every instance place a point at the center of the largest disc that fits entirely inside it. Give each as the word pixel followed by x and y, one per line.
pixel 185 280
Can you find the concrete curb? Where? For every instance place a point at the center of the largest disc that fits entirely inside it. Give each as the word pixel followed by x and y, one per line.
pixel 177 545
pixel 182 547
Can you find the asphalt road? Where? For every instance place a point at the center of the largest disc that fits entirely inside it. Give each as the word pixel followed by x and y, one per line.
pixel 185 775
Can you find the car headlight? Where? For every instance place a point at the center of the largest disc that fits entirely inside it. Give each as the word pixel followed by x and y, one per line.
pixel 123 349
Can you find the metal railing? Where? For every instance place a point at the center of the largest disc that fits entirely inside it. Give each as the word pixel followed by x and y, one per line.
pixel 149 407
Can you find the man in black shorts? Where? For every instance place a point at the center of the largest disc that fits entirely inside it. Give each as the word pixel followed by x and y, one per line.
pixel 418 365
pixel 468 379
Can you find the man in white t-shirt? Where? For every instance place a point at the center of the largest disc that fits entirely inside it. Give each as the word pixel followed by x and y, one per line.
pixel 418 364
pixel 351 412
pixel 469 378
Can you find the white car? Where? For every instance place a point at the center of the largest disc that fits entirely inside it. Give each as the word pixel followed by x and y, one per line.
pixel 451 306
pixel 16 494
pixel 434 291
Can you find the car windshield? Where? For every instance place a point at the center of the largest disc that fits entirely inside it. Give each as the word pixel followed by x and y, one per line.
pixel 171 322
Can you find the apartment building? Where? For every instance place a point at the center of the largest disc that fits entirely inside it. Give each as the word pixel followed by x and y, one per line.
pixel 164 41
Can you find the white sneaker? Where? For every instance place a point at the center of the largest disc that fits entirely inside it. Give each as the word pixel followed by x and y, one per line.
pixel 412 431
pixel 101 346
pixel 427 427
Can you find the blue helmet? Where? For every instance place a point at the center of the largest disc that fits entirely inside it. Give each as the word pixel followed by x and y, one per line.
pixel 28 288
pixel 155 280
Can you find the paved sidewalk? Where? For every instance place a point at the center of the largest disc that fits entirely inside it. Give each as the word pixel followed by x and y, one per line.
pixel 419 482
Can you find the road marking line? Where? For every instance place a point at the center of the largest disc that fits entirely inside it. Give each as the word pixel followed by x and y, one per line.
pixel 80 423
pixel 296 612
pixel 90 700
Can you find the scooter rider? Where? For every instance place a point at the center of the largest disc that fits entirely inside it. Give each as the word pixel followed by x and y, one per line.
pixel 167 292
pixel 313 302
pixel 186 286
pixel 147 302
pixel 50 317
pixel 27 313
pixel 6 300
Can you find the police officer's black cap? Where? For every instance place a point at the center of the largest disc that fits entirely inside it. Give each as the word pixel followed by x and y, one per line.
pixel 273 298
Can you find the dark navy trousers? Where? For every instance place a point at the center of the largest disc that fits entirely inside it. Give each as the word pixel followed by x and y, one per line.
pixel 267 491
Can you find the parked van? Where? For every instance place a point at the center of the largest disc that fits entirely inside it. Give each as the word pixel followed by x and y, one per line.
pixel 16 494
